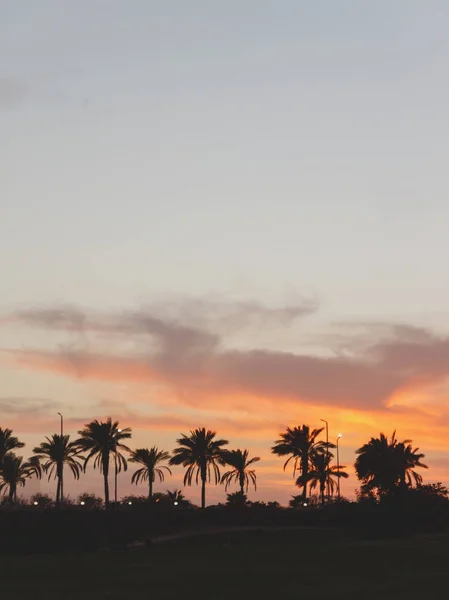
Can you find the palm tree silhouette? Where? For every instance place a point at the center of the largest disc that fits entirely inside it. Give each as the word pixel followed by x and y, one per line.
pixel 100 439
pixel 150 459
pixel 176 496
pixel 8 442
pixel 321 473
pixel 56 452
pixel 299 444
pixel 408 459
pixel 385 464
pixel 14 472
pixel 240 473
pixel 200 453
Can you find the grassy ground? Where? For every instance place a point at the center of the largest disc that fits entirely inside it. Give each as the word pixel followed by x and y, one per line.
pixel 255 565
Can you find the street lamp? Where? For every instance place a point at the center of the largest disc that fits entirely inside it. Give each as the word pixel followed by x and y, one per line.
pixel 328 461
pixel 115 464
pixel 340 435
pixel 61 489
pixel 62 424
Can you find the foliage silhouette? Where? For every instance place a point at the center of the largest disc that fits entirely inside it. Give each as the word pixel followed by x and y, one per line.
pixel 322 473
pixel 132 500
pixel 240 473
pixel 178 497
pixel 150 459
pixel 385 465
pixel 436 490
pixel 237 500
pixel 100 439
pixel 300 444
pixel 56 452
pixel 14 473
pixel 89 500
pixel 41 500
pixel 200 453
pixel 8 443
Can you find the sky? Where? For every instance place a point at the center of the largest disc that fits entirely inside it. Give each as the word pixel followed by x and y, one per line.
pixel 230 215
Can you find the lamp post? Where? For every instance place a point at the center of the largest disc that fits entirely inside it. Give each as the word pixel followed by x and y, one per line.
pixel 61 489
pixel 327 454
pixel 338 467
pixel 116 470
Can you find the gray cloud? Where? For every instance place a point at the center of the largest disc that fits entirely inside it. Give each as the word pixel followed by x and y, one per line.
pixel 22 406
pixel 261 374
pixel 186 354
pixel 205 314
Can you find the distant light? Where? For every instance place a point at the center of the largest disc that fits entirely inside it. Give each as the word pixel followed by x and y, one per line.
pixel 340 435
pixel 82 503
pixel 130 502
pixel 35 503
pixel 305 504
pixel 176 503
pixel 157 499
pixel 119 430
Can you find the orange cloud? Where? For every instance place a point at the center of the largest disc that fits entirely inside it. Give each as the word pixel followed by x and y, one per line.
pixel 389 378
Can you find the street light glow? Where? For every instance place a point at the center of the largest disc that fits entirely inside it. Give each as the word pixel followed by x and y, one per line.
pixel 82 503
pixel 130 502
pixel 340 435
pixel 175 503
pixel 35 503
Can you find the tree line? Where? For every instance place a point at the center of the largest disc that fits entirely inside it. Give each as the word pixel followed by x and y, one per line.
pixel 383 465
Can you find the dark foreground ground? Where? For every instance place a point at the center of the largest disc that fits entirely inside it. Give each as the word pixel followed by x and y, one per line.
pixel 259 565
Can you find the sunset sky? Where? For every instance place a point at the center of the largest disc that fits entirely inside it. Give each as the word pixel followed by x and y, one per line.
pixel 225 214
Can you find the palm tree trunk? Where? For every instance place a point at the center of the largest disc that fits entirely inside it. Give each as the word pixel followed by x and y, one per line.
pixel 322 488
pixel 61 479
pixel 203 492
pixel 106 478
pixel 106 489
pixel 242 484
pixel 150 492
pixel 58 489
pixel 305 473
pixel 12 493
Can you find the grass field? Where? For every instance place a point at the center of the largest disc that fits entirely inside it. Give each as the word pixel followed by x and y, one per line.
pixel 259 565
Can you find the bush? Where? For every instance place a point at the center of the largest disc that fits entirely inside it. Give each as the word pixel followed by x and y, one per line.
pixel 90 500
pixel 42 501
pixel 237 500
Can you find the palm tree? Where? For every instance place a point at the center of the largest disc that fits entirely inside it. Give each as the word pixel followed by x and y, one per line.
pixel 385 464
pixel 8 442
pixel 240 473
pixel 101 439
pixel 176 496
pixel 374 465
pixel 201 453
pixel 14 473
pixel 150 459
pixel 321 472
pixel 58 451
pixel 300 444
pixel 408 459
